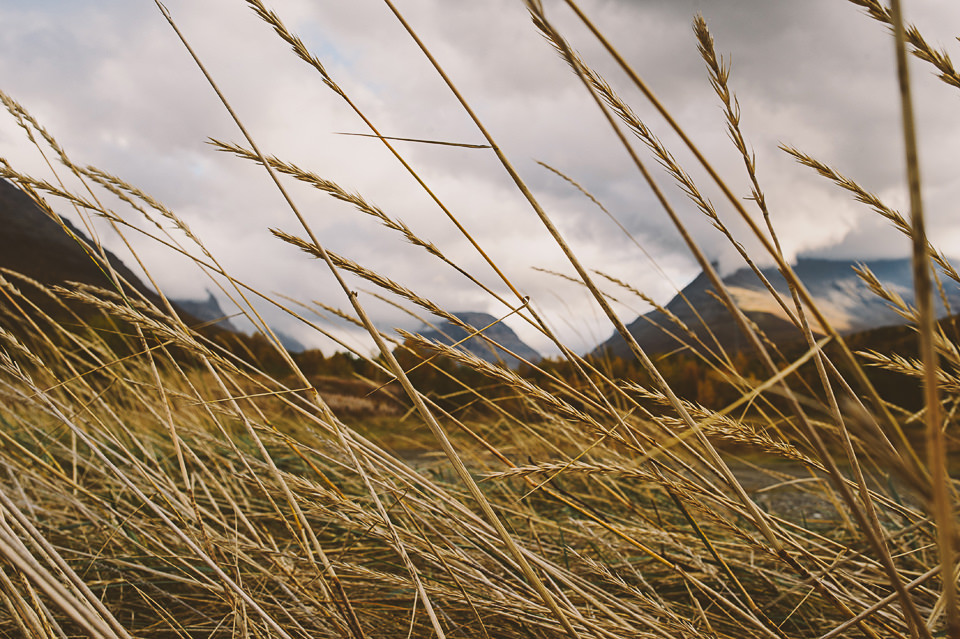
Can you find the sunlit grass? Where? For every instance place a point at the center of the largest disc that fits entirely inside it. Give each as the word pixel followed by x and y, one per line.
pixel 160 480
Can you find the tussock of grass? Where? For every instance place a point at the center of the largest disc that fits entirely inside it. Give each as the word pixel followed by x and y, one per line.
pixel 155 483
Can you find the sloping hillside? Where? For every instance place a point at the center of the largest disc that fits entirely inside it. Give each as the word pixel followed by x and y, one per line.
pixel 36 245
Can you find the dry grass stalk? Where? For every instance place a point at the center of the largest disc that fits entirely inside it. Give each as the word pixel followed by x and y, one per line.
pixel 154 482
pixel 399 373
pixel 942 498
pixel 919 47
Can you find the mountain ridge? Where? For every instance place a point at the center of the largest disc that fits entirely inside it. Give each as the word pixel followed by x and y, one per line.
pixel 35 245
pixel 449 333
pixel 844 298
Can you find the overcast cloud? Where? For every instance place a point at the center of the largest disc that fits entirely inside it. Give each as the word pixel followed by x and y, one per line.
pixel 110 80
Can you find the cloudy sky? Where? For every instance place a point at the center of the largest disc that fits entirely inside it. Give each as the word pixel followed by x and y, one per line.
pixel 111 81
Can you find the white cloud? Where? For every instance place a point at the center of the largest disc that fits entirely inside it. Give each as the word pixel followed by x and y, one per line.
pixel 111 81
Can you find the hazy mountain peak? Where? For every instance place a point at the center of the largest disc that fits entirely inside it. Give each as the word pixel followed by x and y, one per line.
pixel 448 333
pixel 207 310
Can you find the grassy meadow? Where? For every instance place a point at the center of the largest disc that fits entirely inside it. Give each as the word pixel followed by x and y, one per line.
pixel 159 480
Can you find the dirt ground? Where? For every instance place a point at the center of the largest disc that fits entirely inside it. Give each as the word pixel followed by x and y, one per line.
pixel 794 493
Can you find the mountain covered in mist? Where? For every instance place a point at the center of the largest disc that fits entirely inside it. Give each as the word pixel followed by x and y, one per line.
pixel 842 296
pixel 207 310
pixel 448 333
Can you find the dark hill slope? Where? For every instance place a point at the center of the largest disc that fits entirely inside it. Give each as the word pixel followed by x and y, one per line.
pixel 35 245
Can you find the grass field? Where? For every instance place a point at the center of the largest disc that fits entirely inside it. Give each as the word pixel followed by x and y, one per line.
pixel 157 484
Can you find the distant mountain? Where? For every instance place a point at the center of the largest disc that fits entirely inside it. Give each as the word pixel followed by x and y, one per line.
pixel 846 301
pixel 34 244
pixel 289 342
pixel 207 310
pixel 502 334
pixel 38 246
